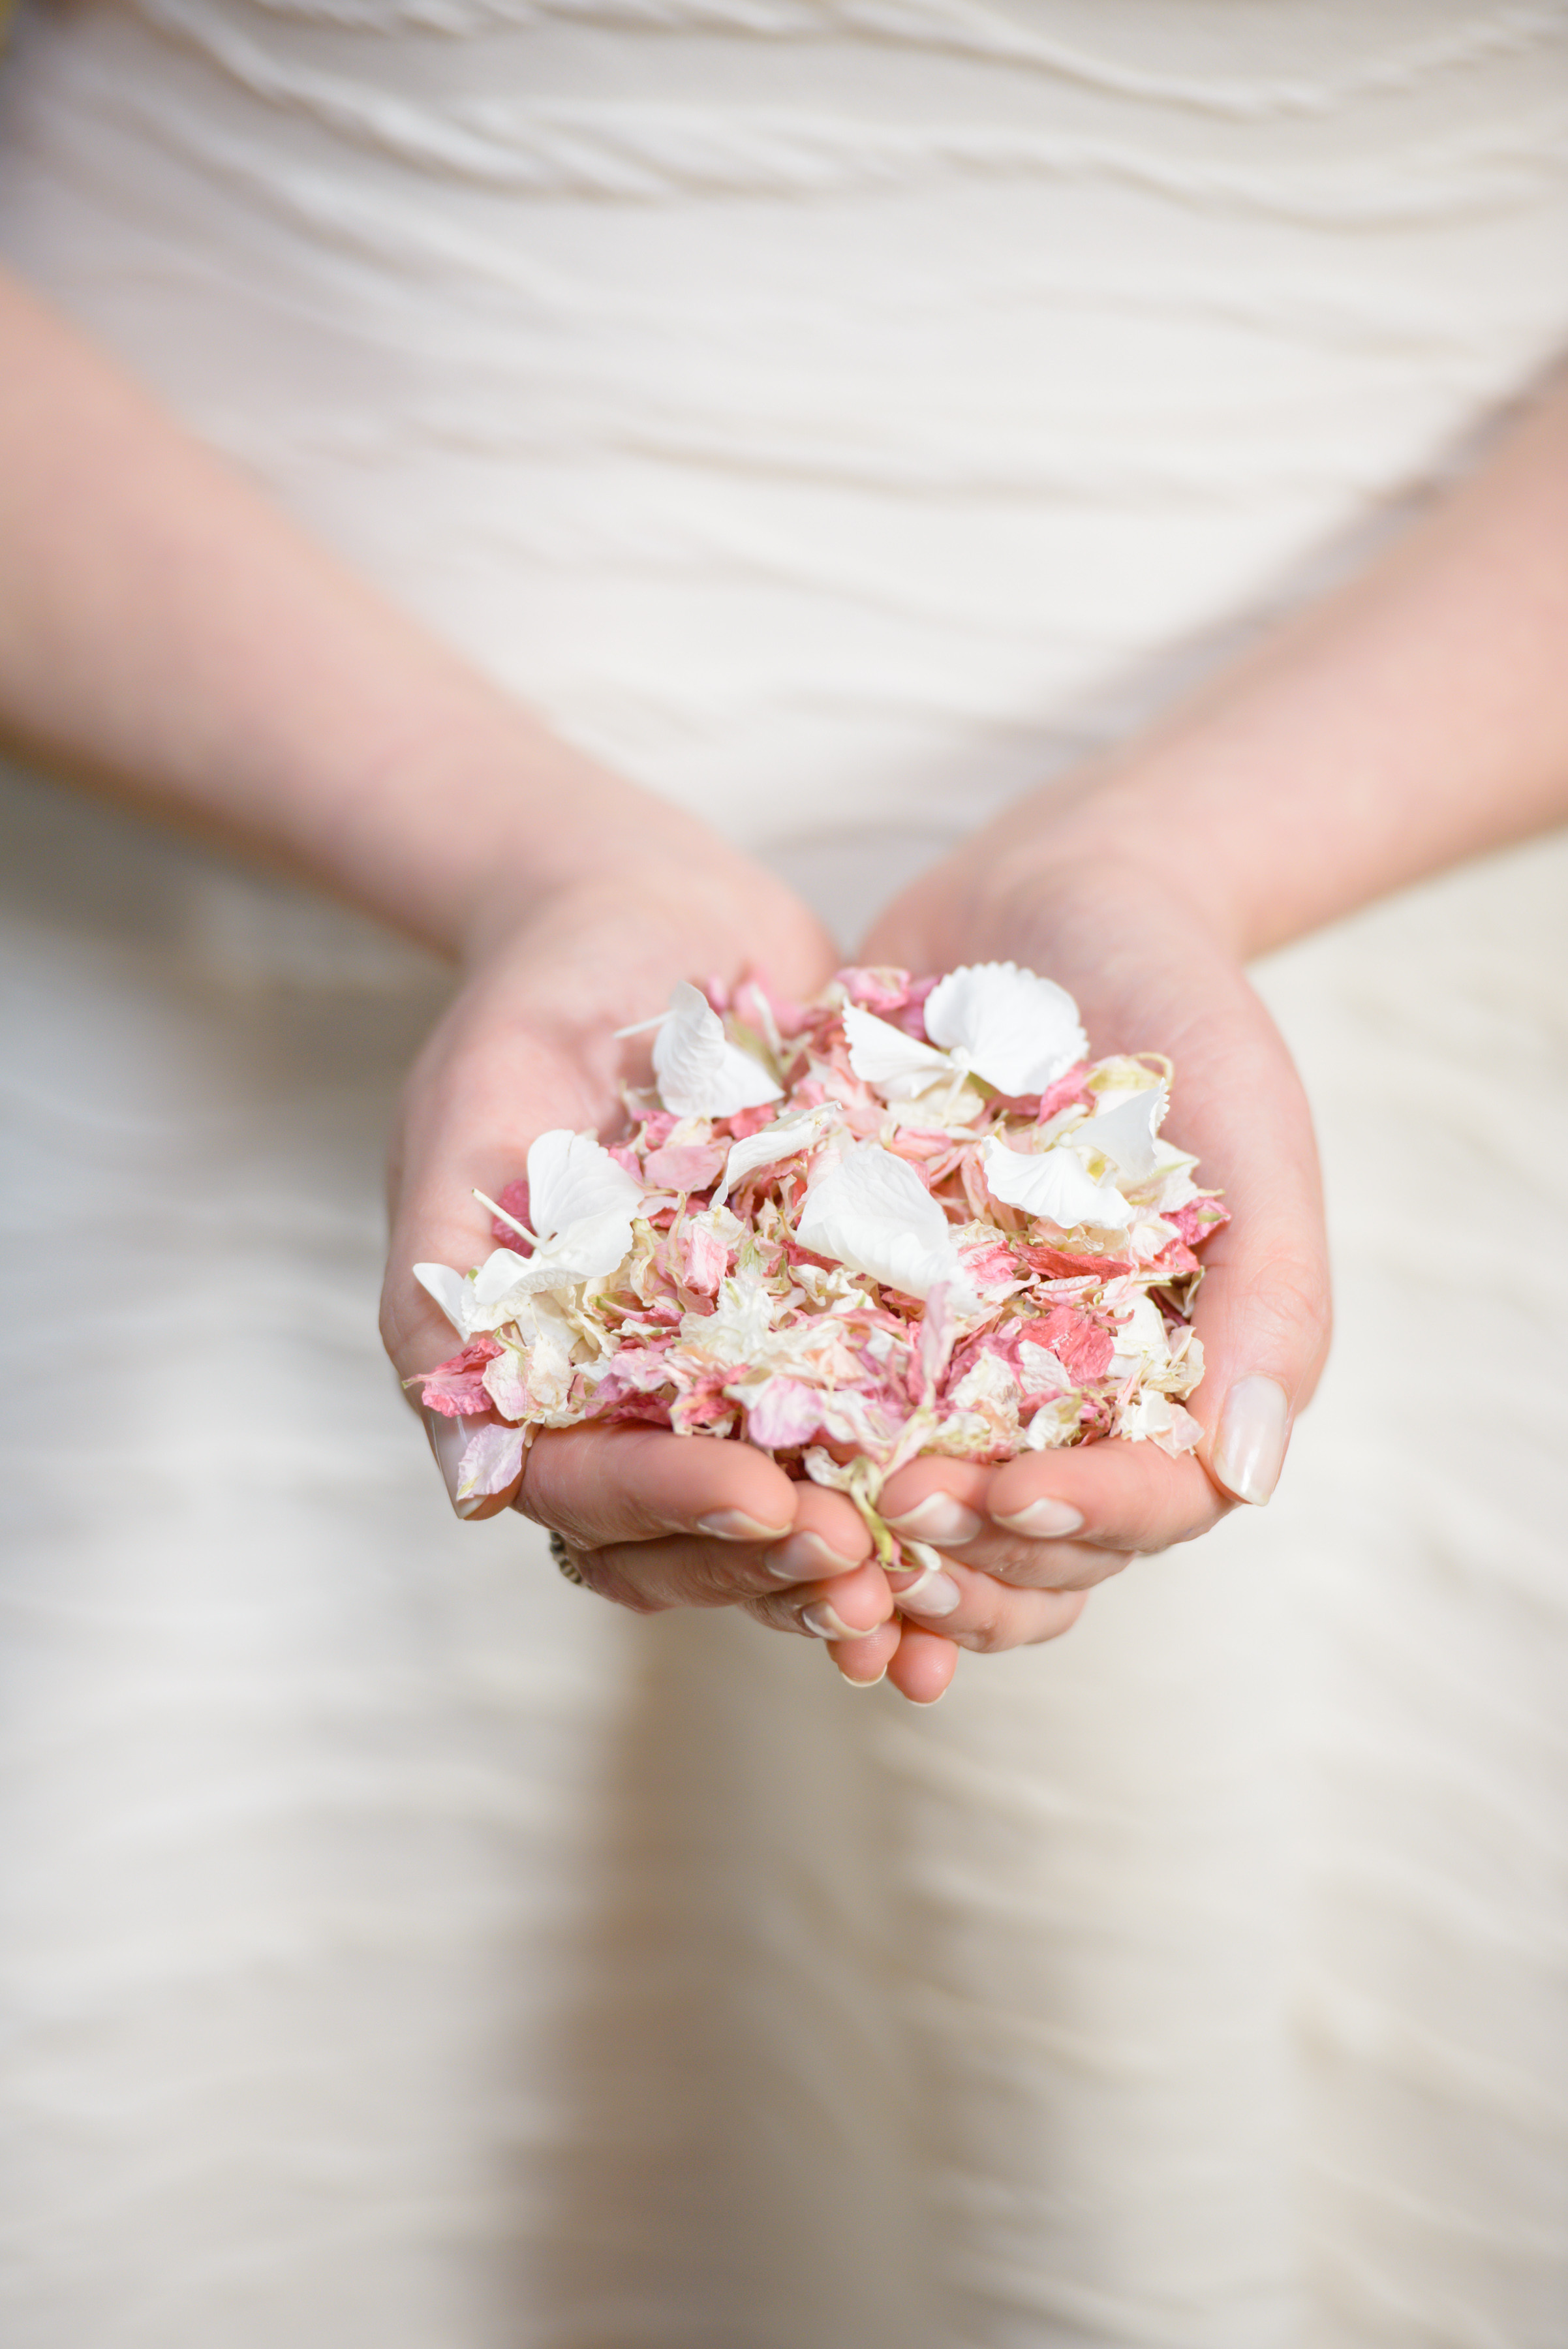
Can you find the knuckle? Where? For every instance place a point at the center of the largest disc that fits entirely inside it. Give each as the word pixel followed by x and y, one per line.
pixel 1061 1619
pixel 1291 1302
pixel 1039 1566
pixel 988 1638
pixel 774 1615
pixel 608 1579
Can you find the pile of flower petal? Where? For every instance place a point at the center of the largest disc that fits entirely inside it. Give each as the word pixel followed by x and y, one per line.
pixel 910 1217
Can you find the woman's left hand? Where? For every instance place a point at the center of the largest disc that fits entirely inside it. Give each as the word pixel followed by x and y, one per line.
pixel 1024 1543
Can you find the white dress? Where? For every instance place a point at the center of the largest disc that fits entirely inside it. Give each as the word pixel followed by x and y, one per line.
pixel 840 412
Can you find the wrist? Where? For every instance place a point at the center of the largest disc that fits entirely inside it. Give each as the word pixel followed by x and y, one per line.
pixel 1073 857
pixel 468 816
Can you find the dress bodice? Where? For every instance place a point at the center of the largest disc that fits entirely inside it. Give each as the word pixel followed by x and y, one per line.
pixel 834 413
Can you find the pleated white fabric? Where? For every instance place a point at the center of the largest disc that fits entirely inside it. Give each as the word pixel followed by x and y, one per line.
pixel 839 415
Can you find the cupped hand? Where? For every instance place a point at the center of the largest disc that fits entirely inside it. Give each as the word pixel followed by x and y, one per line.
pixel 650 1519
pixel 1024 1542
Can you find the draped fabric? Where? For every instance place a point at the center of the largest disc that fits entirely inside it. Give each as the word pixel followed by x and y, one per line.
pixel 839 416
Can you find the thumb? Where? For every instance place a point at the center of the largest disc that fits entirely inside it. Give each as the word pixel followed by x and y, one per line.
pixel 1263 1313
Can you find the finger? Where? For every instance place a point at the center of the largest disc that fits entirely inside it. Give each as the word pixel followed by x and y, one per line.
pixel 598 1486
pixel 976 1611
pixel 683 1570
pixel 1041 1517
pixel 828 1536
pixel 922 1665
pixel 449 1440
pixel 846 1608
pixel 1263 1310
pixel 864 1662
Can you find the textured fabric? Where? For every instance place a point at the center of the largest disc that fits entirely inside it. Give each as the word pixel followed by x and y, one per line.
pixel 839 416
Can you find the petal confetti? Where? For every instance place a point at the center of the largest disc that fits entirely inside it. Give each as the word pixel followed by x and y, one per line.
pixel 956 1233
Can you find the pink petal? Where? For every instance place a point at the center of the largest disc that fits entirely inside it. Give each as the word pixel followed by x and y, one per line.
pixel 704 1259
pixel 685 1166
pixel 1080 1345
pixel 787 1413
pixel 514 1199
pixel 1069 1087
pixel 456 1388
pixel 492 1461
pixel 744 1122
pixel 883 991
pixel 1065 1264
pixel 1199 1220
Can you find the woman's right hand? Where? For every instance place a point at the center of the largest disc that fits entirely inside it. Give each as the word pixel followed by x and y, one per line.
pixel 651 1519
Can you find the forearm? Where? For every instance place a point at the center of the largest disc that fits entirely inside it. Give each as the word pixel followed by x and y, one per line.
pixel 169 638
pixel 1416 718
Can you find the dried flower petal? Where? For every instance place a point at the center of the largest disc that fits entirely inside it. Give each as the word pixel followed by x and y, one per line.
pixel 1053 1183
pixel 698 1072
pixel 873 1213
pixel 1017 1031
pixel 920 1265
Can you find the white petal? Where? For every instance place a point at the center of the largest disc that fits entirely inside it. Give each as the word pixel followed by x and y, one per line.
pixel 572 1177
pixel 1140 1337
pixel 873 1213
pixel 583 1251
pixel 783 1139
pixel 1053 1183
pixel 498 1275
pixel 700 1072
pixel 452 1293
pixel 1017 1031
pixel 1125 1135
pixel 897 1065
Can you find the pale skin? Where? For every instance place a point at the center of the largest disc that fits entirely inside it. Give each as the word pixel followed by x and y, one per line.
pixel 167 638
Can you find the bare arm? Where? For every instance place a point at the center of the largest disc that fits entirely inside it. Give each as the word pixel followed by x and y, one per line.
pixel 1418 716
pixel 1415 718
pixel 167 637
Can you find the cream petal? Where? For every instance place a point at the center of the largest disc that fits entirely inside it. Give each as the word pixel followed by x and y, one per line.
pixel 881 1054
pixel 873 1213
pixel 783 1139
pixel 452 1293
pixel 1053 1183
pixel 571 1177
pixel 498 1275
pixel 1125 1135
pixel 700 1075
pixel 698 1072
pixel 586 1250
pixel 1018 1032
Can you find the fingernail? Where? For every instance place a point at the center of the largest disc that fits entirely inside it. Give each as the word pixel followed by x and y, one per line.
pixel 449 1442
pixel 1043 1521
pixel 806 1558
pixel 934 1594
pixel 939 1518
pixel 828 1623
pixel 734 1525
pixel 876 1683
pixel 1250 1449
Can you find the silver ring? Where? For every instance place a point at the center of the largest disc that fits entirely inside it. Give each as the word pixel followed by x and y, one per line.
pixel 565 1560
